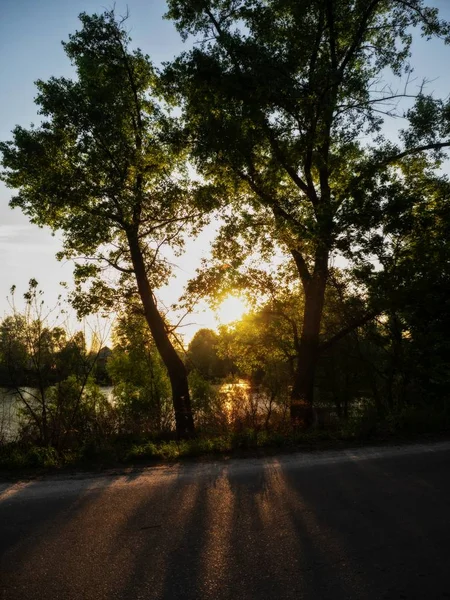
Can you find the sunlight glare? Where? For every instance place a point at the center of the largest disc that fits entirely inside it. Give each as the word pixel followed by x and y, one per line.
pixel 231 309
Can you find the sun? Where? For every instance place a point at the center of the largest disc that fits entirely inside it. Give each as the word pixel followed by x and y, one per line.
pixel 230 309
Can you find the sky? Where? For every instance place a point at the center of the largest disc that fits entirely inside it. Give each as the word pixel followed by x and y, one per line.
pixel 31 32
pixel 30 48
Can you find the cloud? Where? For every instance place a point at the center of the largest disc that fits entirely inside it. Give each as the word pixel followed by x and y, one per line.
pixel 17 238
pixel 11 232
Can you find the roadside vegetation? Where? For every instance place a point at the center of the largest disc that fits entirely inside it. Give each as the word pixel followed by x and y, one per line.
pixel 368 389
pixel 333 228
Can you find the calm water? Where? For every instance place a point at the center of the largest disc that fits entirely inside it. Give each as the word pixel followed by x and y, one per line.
pixel 10 403
pixel 236 397
pixel 9 419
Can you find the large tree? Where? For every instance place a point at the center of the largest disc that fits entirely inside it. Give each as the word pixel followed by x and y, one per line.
pixel 285 101
pixel 100 170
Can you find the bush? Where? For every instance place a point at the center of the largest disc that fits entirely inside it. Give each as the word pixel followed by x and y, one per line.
pixel 42 457
pixel 361 426
pixel 141 451
pixel 14 456
pixel 415 420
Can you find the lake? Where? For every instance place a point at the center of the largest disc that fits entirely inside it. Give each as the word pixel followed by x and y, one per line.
pixel 9 410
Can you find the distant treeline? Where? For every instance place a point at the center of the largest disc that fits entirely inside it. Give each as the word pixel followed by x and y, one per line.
pixel 35 355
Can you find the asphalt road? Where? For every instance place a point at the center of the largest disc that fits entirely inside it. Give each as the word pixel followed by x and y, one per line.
pixel 365 524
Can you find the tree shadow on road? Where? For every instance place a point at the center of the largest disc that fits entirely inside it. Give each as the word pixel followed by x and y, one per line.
pixel 366 527
pixel 240 531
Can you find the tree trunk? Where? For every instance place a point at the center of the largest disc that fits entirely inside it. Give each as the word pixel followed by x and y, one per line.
pixel 175 367
pixel 302 395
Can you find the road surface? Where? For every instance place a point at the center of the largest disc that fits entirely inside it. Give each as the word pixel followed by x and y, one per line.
pixel 361 524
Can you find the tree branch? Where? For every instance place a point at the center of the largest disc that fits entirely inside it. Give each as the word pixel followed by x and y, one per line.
pixel 346 330
pixel 278 152
pixel 359 35
pixel 416 150
pixel 396 157
pixel 330 20
pixel 302 267
pixel 265 125
pixel 117 266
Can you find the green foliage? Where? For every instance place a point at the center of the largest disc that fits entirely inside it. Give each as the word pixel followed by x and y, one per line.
pixel 261 341
pixel 13 350
pixel 42 457
pixel 202 356
pixel 277 97
pixel 202 392
pixel 141 386
pixel 411 424
pixel 413 420
pixel 15 457
pixel 99 163
pixel 102 169
pixel 262 345
pixel 52 375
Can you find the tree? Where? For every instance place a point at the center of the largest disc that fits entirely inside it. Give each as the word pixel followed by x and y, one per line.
pixel 99 169
pixel 420 348
pixel 50 372
pixel 14 357
pixel 202 356
pixel 141 386
pixel 278 97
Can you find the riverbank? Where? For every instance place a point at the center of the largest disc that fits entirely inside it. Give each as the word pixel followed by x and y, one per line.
pixel 18 462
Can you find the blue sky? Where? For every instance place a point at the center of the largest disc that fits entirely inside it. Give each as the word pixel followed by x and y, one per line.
pixel 30 49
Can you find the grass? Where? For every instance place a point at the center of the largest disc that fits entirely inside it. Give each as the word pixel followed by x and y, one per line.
pixel 411 424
